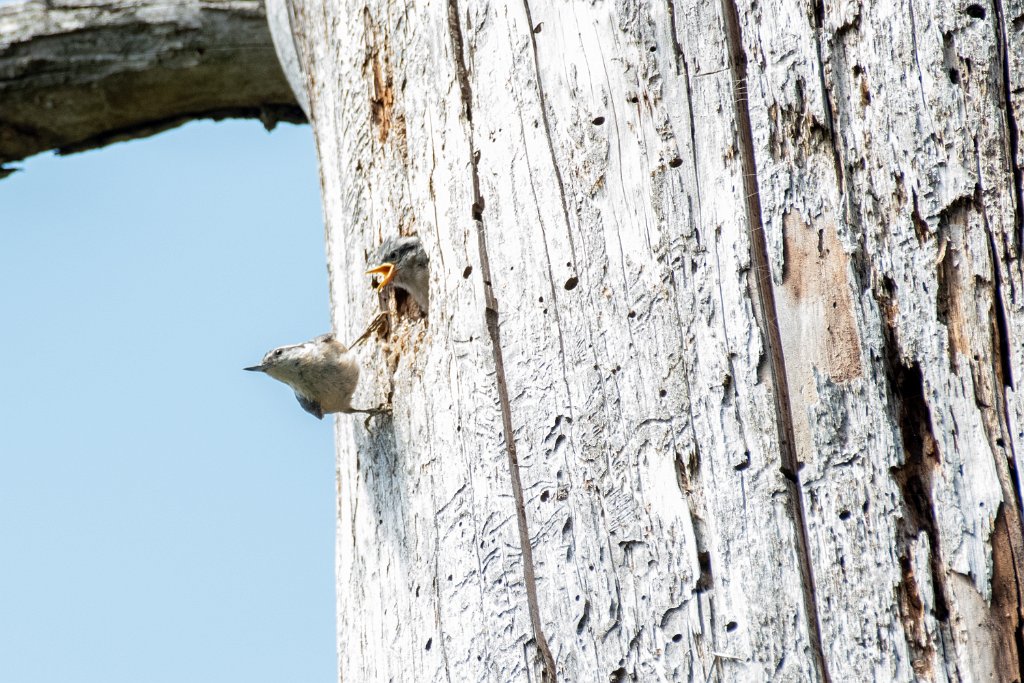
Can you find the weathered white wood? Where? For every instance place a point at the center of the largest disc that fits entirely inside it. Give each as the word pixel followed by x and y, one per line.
pixel 77 75
pixel 719 380
pixel 429 556
pixel 888 190
pixel 646 369
pixel 753 455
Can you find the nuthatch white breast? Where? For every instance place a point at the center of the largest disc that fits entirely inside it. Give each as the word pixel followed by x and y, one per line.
pixel 405 263
pixel 322 372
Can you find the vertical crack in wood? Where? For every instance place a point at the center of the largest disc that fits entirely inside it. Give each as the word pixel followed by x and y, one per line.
pixel 920 458
pixel 768 320
pixel 837 162
pixel 1000 331
pixel 682 65
pixel 1006 609
pixel 693 142
pixel 1007 539
pixel 915 478
pixel 677 50
pixel 1013 134
pixel 494 331
pixel 547 128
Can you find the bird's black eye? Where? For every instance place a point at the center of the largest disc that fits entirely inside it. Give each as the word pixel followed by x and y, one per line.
pixel 277 352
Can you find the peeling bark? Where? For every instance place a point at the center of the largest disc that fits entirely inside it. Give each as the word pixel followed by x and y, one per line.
pixel 75 76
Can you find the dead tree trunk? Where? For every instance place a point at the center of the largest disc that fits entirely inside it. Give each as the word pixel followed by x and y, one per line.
pixel 718 377
pixel 718 380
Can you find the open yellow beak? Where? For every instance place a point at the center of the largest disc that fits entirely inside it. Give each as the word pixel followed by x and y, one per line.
pixel 385 269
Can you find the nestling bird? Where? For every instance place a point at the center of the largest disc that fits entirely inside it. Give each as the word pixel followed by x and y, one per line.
pixel 322 371
pixel 405 263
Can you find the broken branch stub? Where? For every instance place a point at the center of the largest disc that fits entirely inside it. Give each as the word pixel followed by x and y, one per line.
pixel 78 76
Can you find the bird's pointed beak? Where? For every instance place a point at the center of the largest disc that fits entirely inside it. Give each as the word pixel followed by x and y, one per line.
pixel 385 269
pixel 256 368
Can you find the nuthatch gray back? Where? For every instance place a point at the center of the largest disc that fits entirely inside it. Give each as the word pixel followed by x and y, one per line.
pixel 405 263
pixel 322 372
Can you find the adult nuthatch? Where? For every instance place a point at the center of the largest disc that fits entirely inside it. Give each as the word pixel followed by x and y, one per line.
pixel 322 371
pixel 405 263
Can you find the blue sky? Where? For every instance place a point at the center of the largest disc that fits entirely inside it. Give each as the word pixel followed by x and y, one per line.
pixel 164 516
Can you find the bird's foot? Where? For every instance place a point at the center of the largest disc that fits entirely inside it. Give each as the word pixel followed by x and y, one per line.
pixel 382 409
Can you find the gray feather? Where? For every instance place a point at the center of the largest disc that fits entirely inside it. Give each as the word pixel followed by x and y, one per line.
pixel 311 407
